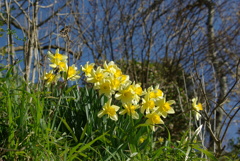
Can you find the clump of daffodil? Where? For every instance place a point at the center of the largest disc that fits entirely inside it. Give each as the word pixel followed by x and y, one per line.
pixel 164 107
pixel 114 74
pixel 150 98
pixel 130 109
pixel 110 81
pixel 197 107
pixel 153 118
pixel 106 80
pixel 60 68
pixel 110 110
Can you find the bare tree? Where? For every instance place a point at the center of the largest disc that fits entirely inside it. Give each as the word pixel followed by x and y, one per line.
pixel 37 26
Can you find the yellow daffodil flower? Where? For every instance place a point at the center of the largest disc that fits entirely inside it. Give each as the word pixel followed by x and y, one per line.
pixel 87 68
pixel 126 94
pixel 72 73
pixel 56 59
pixel 50 77
pixel 115 83
pixel 154 93
pixel 158 93
pixel 111 67
pixel 197 107
pixel 118 73
pixel 63 66
pixel 164 107
pixel 147 104
pixel 130 110
pixel 110 110
pixel 105 87
pixel 124 79
pixel 153 118
pixel 137 88
pixel 96 75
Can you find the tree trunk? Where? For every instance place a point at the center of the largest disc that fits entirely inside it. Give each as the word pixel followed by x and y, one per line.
pixel 219 75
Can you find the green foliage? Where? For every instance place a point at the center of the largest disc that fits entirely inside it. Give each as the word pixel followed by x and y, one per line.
pixel 234 146
pixel 31 124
